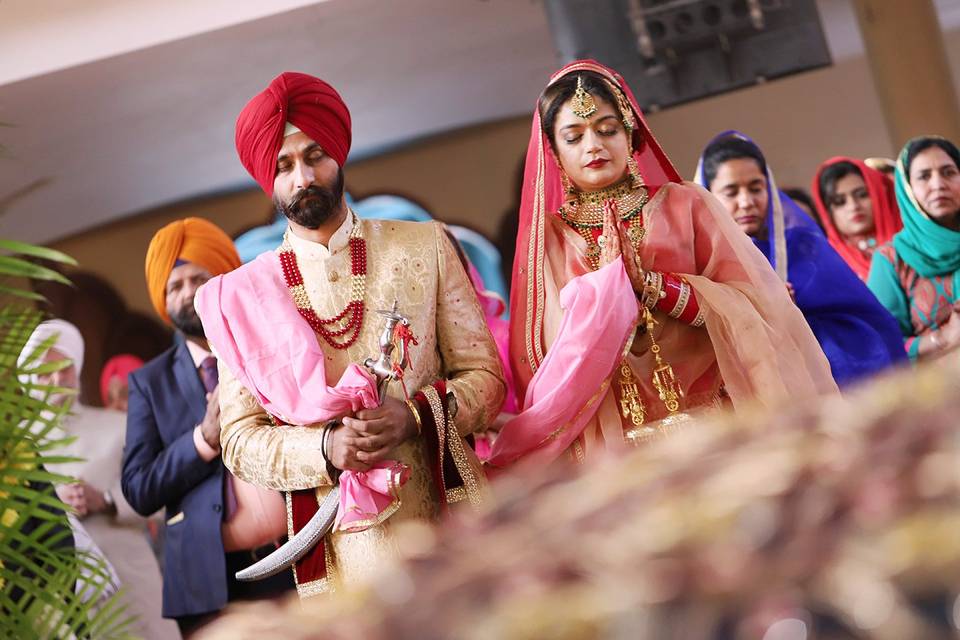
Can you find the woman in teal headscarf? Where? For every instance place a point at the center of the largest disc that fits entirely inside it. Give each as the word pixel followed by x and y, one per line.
pixel 915 274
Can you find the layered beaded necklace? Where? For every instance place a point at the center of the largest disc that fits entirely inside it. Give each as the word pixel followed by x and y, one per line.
pixel 349 321
pixel 585 215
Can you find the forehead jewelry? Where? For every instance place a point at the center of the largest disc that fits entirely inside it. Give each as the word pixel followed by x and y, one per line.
pixel 584 105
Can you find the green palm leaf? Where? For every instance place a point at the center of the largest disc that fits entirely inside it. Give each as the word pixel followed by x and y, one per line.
pixel 36 252
pixel 19 267
pixel 38 573
pixel 20 293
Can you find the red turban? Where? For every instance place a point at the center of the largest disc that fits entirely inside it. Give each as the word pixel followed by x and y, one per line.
pixel 308 103
pixel 117 367
pixel 194 240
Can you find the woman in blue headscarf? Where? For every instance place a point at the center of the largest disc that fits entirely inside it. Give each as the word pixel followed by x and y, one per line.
pixel 857 334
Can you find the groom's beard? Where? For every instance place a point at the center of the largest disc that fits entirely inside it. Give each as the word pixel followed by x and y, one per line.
pixel 312 207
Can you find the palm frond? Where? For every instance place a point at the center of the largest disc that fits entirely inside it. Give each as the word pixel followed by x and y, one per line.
pixel 33 251
pixel 10 266
pixel 39 568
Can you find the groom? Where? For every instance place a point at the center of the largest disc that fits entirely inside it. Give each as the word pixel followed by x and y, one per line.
pixel 290 327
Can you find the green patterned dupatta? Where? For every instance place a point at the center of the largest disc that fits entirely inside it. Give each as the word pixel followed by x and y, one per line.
pixel 932 250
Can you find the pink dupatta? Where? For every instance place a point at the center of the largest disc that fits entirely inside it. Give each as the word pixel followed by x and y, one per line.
pixel 254 327
pixel 600 313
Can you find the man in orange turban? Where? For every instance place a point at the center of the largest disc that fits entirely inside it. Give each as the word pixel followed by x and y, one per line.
pixel 192 249
pixel 296 322
pixel 215 522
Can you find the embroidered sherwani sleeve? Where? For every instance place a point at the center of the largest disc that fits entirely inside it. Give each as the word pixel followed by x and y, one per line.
pixel 471 362
pixel 284 457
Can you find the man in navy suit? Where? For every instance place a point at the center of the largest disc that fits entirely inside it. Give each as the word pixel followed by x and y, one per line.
pixel 216 525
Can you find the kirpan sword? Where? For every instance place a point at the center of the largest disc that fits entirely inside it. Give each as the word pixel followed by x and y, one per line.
pixel 385 371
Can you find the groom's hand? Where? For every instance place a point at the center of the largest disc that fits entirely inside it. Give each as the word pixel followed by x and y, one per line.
pixel 344 449
pixel 380 430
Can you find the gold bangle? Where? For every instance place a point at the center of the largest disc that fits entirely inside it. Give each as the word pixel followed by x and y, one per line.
pixel 416 415
pixel 653 289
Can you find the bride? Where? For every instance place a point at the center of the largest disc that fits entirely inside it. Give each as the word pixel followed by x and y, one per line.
pixel 635 297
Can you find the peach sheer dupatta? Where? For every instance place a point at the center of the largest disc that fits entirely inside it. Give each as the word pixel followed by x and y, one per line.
pixel 756 342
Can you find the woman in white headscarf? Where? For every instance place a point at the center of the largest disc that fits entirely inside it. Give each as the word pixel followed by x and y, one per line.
pixel 111 523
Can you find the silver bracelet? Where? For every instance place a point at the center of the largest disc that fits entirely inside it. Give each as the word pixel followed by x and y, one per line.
pixel 325 440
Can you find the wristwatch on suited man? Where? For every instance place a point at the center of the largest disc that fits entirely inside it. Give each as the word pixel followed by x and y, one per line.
pixel 451 405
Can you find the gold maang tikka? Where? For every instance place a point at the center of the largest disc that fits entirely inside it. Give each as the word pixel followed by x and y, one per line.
pixel 584 105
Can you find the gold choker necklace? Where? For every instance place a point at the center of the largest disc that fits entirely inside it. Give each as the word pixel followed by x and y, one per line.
pixel 587 211
pixel 585 215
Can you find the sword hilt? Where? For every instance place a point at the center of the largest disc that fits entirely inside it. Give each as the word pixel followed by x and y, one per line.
pixel 383 367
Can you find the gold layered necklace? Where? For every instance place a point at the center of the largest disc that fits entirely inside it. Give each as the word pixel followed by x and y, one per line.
pixel 585 214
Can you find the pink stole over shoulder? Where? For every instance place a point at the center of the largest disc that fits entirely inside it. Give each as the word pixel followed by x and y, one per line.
pixel 600 313
pixel 254 327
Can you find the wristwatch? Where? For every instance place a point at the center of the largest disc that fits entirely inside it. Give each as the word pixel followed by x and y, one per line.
pixel 451 405
pixel 108 501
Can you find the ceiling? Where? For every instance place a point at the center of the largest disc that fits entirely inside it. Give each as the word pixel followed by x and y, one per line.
pixel 119 106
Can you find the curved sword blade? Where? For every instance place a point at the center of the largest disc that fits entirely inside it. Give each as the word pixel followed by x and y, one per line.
pixel 297 546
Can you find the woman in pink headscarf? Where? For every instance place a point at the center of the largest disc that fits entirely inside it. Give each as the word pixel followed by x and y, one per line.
pixel 635 297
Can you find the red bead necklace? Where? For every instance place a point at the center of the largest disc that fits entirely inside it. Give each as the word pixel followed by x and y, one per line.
pixel 350 320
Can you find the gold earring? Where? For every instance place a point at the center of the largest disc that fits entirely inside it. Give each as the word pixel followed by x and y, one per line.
pixel 636 178
pixel 569 191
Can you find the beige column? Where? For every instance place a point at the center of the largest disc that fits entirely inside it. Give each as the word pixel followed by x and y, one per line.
pixel 910 69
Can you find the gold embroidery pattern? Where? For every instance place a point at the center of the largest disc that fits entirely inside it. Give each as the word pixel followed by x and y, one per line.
pixel 440 423
pixel 314 587
pixel 474 485
pixel 333 575
pixel 534 320
pixel 578 453
pixel 556 433
pixel 457 494
pixel 439 419
pixel 393 486
pixel 288 498
pixel 455 443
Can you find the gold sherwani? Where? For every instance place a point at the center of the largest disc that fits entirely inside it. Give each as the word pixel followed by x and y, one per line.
pixel 411 263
